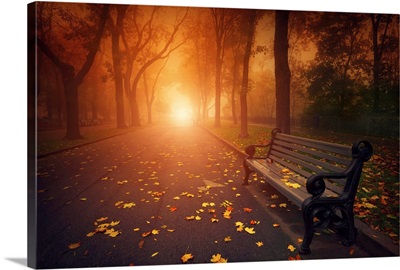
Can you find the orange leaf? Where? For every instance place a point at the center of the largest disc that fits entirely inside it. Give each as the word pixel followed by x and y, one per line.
pixel 141 243
pixel 75 245
pixel 186 257
pixel 145 234
pixel 246 209
pixel 296 258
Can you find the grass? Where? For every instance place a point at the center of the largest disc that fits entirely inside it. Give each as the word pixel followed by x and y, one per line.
pixel 377 200
pixel 53 141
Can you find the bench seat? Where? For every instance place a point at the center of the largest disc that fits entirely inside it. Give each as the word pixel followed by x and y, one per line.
pixel 319 177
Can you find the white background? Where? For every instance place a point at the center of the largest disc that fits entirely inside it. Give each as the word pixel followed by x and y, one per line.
pixel 13 87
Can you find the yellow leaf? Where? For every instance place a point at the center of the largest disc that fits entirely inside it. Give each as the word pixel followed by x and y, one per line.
pixel 274 196
pixel 155 231
pixel 171 230
pixel 114 223
pixel 176 198
pixel 136 229
pixel 74 245
pixel 249 230
pixel 217 258
pixel 276 225
pixel 197 218
pixel 190 217
pixel 299 240
pixel 122 182
pixel 114 233
pixel 101 219
pixel 366 190
pixel 129 205
pixel 154 254
pixel 259 244
pixel 91 234
pixel 83 199
pixel 291 248
pixel 214 220
pixel 186 257
pixel 282 205
pixel 227 239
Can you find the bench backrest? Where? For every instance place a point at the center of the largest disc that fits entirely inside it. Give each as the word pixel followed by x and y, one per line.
pixel 308 157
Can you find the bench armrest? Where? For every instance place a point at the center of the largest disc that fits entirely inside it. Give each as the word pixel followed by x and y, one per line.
pixel 316 184
pixel 361 152
pixel 251 149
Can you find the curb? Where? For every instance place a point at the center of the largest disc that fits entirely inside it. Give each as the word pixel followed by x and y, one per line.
pixel 373 241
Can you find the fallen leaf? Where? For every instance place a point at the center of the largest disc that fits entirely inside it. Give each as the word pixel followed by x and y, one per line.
pixel 101 219
pixel 217 258
pixel 282 205
pixel 291 248
pixel 186 257
pixel 228 239
pixel 246 209
pixel 214 220
pixel 276 225
pixel 154 254
pixel 352 251
pixel 136 229
pixel 154 232
pixel 91 234
pixel 295 258
pixel 75 245
pixel 145 234
pixel 83 199
pixel 259 244
pixel 249 230
pixel 141 243
pixel 173 208
pixel 299 240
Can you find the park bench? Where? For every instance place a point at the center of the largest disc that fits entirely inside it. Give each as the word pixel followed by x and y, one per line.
pixel 319 177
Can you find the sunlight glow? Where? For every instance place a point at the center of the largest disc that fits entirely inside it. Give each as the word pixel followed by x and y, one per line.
pixel 182 114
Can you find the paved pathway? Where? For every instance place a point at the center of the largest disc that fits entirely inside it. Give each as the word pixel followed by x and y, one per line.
pixel 151 196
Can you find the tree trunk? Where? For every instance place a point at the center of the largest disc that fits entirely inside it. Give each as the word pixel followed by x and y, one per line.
pixel 245 80
pixel 282 72
pixel 116 56
pixel 234 80
pixel 217 121
pixel 71 96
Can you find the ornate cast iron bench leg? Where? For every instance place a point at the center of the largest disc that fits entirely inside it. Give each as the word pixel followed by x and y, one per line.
pixel 247 173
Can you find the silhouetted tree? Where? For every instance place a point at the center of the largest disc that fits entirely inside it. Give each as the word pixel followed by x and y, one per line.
pixel 71 77
pixel 282 71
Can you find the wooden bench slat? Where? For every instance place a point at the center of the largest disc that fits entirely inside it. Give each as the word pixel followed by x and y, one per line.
pixel 314 163
pixel 275 180
pixel 330 147
pixel 305 173
pixel 312 151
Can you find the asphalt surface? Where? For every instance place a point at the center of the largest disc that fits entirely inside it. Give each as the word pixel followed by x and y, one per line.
pixel 153 195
